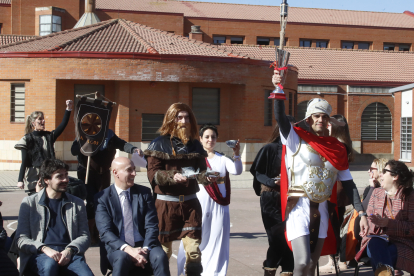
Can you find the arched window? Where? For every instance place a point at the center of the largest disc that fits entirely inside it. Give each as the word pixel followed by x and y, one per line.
pixel 376 122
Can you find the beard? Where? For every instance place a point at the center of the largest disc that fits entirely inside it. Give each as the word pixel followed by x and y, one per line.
pixel 182 131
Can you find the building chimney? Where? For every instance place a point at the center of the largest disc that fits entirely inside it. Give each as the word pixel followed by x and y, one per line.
pixel 89 17
pixel 196 33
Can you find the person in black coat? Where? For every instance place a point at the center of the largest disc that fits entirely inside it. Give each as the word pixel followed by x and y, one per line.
pixel 265 168
pixel 37 145
pixel 99 174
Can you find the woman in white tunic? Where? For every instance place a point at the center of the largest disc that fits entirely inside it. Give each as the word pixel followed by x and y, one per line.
pixel 215 200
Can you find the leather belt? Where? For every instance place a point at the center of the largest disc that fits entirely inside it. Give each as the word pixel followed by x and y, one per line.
pixel 221 180
pixel 296 193
pixel 180 198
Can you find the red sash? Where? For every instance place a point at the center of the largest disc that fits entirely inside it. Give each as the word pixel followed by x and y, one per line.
pixel 214 191
pixel 333 151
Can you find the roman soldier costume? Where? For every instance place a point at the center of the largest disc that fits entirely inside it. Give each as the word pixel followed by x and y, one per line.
pixel 311 165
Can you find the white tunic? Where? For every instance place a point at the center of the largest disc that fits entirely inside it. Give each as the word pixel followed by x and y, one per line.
pixel 297 224
pixel 215 241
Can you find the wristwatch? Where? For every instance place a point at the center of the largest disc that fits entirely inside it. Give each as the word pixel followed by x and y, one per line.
pixel 363 214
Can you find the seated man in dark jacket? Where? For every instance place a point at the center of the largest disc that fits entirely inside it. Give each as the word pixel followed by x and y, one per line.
pixel 99 174
pixel 128 225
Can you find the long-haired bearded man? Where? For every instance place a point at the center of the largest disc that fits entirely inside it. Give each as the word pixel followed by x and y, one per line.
pixel 179 211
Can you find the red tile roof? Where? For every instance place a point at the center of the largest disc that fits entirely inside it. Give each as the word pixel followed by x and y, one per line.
pixel 118 36
pixel 338 64
pixel 262 13
pixel 7 39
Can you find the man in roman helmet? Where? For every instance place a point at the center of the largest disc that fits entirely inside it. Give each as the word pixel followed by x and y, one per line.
pixel 179 211
pixel 312 162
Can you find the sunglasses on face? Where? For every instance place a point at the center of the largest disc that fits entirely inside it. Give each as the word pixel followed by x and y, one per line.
pixel 384 171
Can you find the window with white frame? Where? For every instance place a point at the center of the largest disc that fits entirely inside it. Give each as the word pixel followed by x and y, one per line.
pixel 49 24
pixel 150 124
pixel 17 102
pixel 206 105
pixel 406 138
pixel 376 122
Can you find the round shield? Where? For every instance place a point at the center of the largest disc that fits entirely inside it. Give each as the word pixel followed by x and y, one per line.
pixel 91 124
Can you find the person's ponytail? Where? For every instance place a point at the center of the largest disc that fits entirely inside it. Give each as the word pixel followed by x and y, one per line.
pixel 28 126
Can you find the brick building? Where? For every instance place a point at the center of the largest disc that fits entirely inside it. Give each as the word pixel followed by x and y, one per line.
pixel 144 70
pixel 350 58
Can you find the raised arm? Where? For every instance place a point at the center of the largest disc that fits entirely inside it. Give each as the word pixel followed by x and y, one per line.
pixel 281 118
pixel 58 131
pixel 234 167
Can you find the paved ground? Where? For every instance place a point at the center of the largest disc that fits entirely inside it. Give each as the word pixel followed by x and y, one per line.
pixel 248 241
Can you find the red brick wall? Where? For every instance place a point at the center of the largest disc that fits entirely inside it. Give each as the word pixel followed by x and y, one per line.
pixel 376 147
pixel 23 17
pixel 294 32
pixel 50 81
pixel 5 19
pixel 166 22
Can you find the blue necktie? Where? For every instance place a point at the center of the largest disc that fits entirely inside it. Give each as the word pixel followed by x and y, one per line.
pixel 128 225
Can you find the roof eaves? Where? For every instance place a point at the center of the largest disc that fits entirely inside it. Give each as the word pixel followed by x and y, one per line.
pixel 135 35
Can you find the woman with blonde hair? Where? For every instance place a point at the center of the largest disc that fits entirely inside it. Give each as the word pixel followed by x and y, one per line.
pixel 37 145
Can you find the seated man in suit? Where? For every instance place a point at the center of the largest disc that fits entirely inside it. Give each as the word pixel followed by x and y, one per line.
pixel 128 225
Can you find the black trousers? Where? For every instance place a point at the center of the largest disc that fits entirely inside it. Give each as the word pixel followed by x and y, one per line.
pixel 278 253
pixel 96 183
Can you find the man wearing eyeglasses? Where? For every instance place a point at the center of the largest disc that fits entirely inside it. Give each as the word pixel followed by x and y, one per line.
pixel 313 162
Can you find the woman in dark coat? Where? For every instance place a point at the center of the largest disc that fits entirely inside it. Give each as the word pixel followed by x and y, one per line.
pixel 38 145
pixel 265 168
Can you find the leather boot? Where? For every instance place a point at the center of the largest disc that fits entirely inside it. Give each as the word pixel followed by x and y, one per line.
pixel 285 273
pixel 268 271
pixel 193 269
pixel 383 271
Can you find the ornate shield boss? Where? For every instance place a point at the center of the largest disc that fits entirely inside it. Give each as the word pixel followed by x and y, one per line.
pixel 92 119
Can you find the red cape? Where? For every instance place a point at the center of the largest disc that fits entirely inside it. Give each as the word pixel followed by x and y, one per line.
pixel 333 151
